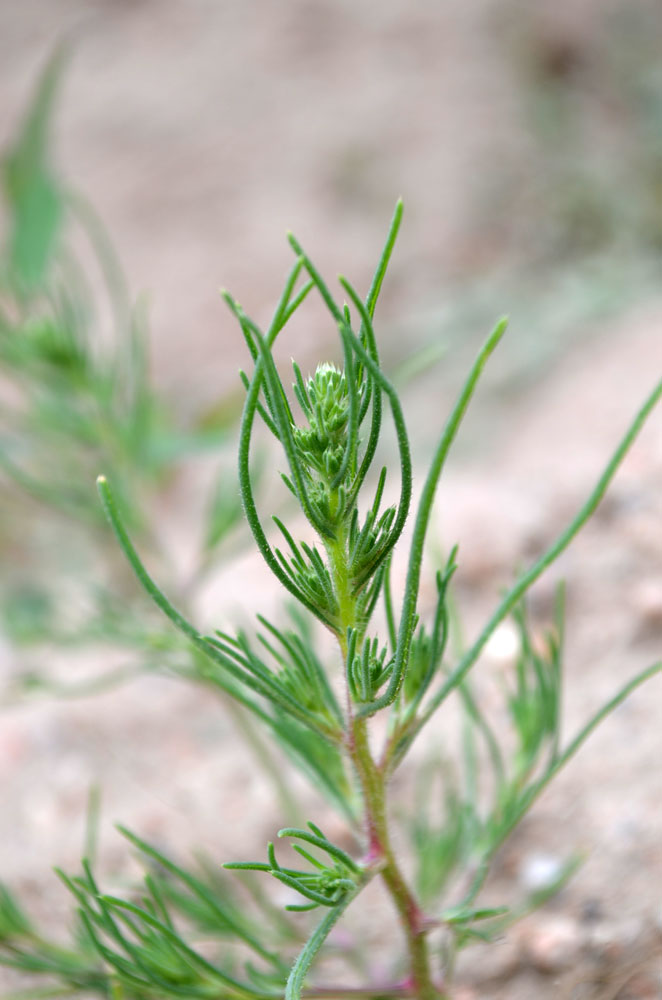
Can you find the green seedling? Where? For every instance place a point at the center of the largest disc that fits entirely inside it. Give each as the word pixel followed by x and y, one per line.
pixel 322 710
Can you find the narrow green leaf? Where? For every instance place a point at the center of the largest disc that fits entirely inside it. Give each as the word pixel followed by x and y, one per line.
pixel 301 967
pixel 33 191
pixel 553 552
pixel 422 520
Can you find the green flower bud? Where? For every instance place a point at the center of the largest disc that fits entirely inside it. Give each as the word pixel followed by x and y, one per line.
pixel 322 444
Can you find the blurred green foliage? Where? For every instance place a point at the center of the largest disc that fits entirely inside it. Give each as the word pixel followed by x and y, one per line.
pixel 76 396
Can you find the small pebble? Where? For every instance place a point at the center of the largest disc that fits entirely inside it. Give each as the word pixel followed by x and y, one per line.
pixel 465 993
pixel 503 645
pixel 553 945
pixel 539 871
pixel 592 911
pixel 647 599
pixel 612 941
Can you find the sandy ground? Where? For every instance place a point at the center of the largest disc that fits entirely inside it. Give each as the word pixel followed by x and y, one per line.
pixel 201 132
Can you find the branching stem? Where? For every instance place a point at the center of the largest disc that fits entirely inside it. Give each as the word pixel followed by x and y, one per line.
pixel 374 787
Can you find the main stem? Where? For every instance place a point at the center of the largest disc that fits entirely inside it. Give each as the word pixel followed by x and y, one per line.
pixel 412 919
pixel 373 786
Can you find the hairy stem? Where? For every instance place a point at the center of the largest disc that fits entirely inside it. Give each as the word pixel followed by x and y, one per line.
pixel 381 851
pixel 373 786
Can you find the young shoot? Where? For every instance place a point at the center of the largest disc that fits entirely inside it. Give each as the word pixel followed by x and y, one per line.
pixel 321 709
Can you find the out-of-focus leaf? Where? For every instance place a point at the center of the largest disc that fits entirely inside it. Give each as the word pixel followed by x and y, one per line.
pixel 31 185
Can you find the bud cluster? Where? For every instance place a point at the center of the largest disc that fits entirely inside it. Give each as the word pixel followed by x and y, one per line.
pixel 325 402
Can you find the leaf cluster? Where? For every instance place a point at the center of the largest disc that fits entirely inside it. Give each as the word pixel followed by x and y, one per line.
pixel 153 944
pixel 185 934
pixel 324 883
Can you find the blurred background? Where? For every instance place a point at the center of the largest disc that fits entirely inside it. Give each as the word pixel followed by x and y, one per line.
pixel 526 142
pixel 156 151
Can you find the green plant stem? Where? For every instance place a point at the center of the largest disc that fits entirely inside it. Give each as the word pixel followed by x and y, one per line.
pixel 380 852
pixel 313 944
pixel 373 786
